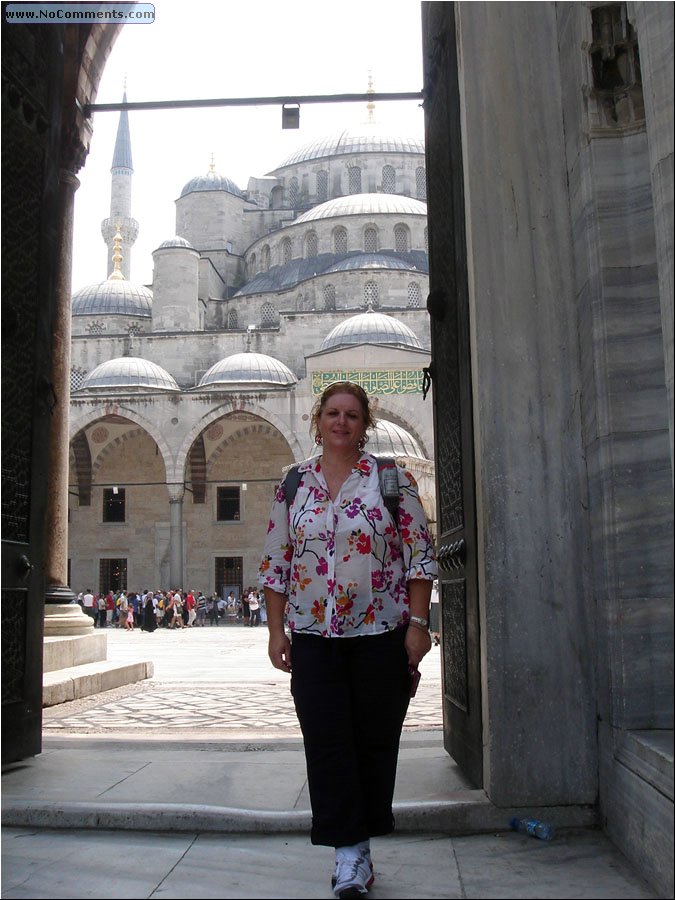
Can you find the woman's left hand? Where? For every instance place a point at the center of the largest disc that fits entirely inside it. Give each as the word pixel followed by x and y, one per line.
pixel 417 644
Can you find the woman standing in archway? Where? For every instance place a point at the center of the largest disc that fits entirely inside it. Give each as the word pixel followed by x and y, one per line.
pixel 355 583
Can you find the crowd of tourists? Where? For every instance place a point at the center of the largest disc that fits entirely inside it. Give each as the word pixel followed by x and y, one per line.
pixel 149 610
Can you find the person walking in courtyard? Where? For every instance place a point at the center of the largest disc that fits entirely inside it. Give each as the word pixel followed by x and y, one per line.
pixel 355 581
pixel 254 608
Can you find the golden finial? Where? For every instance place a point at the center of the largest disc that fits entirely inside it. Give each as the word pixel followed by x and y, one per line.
pixel 116 273
pixel 370 106
pixel 212 165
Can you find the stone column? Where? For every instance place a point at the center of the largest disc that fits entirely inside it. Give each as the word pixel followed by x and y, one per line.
pixel 60 616
pixel 176 493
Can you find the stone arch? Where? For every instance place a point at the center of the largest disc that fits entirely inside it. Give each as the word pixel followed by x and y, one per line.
pixel 113 409
pixel 235 404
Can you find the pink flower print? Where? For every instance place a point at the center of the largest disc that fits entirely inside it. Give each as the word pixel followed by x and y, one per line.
pixel 364 467
pixel 404 518
pixel 330 584
pixel 377 580
pixel 322 567
pixel 354 507
pixel 363 544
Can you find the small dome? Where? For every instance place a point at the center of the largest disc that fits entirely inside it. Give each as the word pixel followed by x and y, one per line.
pixel 114 297
pixel 251 368
pixel 365 205
pixel 211 182
pixel 371 328
pixel 389 439
pixel 176 242
pixel 362 139
pixel 371 261
pixel 126 372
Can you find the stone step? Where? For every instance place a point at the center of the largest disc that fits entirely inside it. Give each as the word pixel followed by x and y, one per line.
pixel 81 681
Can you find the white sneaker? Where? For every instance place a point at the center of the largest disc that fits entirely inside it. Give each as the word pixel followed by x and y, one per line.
pixel 353 873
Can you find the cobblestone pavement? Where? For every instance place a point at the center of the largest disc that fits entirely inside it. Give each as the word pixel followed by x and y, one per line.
pixel 208 680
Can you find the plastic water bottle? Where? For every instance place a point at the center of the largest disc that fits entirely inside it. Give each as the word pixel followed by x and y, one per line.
pixel 533 827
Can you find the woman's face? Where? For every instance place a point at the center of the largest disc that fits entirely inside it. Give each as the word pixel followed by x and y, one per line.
pixel 341 423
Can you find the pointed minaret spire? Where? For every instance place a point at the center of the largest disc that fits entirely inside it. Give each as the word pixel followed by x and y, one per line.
pixel 370 105
pixel 120 219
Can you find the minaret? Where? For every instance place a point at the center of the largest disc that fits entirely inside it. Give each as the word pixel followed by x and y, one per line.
pixel 120 197
pixel 370 105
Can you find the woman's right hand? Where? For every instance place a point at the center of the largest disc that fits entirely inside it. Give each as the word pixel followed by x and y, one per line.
pixel 279 650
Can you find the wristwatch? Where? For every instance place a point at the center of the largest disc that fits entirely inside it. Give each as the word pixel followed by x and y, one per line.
pixel 418 620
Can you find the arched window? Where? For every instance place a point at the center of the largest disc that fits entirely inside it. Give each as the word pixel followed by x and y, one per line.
pixel 371 295
pixel 340 240
pixel 311 245
pixel 322 186
pixel 421 182
pixel 269 317
pixel 232 319
pixel 414 295
pixel 388 180
pixel 370 240
pixel 354 175
pixel 286 251
pixel 401 243
pixel 329 296
pixel 266 258
pixel 293 193
pixel 95 328
pixel 251 265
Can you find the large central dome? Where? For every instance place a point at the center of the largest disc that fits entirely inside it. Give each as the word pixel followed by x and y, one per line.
pixel 365 139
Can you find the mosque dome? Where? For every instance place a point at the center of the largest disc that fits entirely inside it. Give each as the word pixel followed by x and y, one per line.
pixel 211 182
pixel 114 297
pixel 365 205
pixel 362 139
pixel 371 328
pixel 389 439
pixel 176 241
pixel 371 261
pixel 126 372
pixel 250 368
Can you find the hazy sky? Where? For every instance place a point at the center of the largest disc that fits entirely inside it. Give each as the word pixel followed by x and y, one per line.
pixel 200 49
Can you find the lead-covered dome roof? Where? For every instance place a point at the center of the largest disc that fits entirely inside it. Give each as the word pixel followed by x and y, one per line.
pixel 389 439
pixel 365 205
pixel 176 241
pixel 128 372
pixel 248 368
pixel 371 328
pixel 212 181
pixel 371 261
pixel 114 297
pixel 364 139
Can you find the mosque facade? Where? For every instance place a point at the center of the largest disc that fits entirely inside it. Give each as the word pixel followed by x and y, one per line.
pixel 189 396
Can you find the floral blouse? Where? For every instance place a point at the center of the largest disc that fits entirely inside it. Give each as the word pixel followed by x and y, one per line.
pixel 344 564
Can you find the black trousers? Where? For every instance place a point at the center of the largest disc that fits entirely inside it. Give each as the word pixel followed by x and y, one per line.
pixel 351 697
